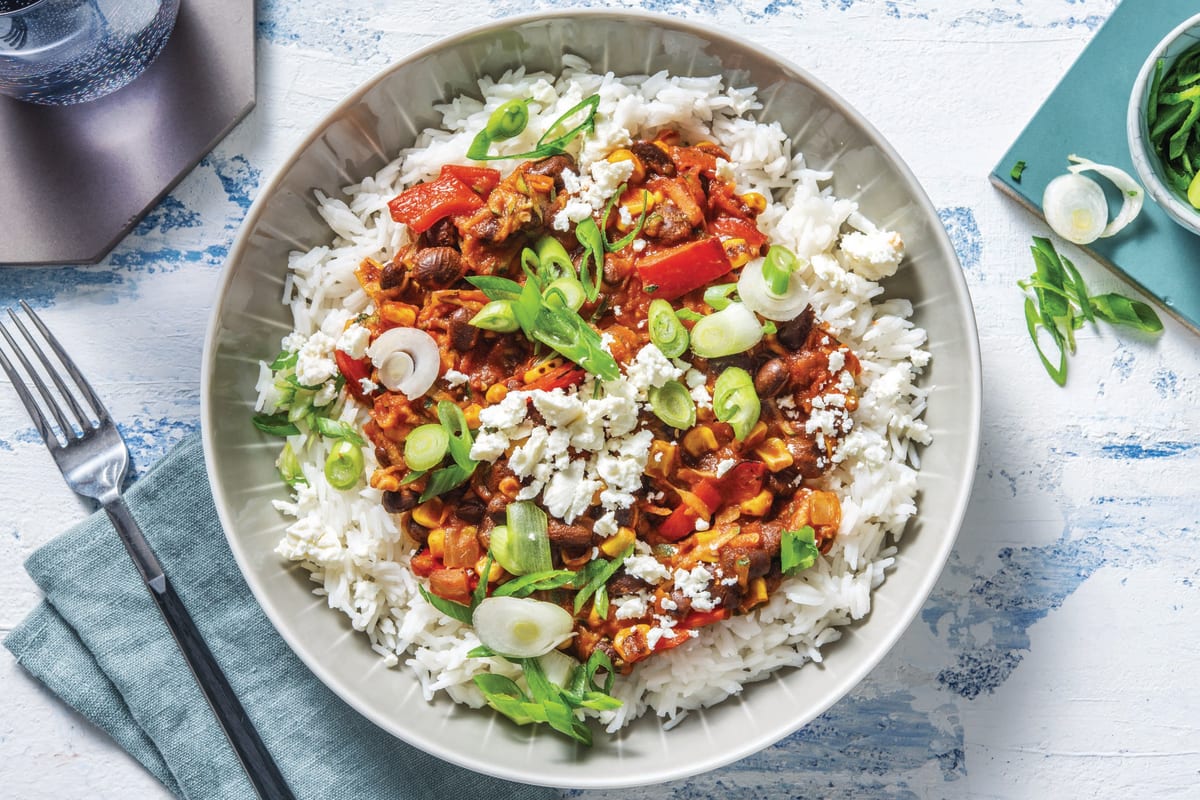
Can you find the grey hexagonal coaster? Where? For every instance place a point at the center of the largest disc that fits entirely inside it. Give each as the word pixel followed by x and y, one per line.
pixel 75 179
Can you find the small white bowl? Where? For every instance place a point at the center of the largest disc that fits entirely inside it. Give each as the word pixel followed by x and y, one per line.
pixel 1145 161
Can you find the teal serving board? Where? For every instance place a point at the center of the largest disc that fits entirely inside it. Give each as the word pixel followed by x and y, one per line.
pixel 1085 115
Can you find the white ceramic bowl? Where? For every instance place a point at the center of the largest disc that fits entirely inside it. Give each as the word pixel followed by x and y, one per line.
pixel 357 138
pixel 1145 160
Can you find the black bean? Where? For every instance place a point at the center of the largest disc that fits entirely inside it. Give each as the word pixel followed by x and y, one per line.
pixel 463 335
pixel 392 275
pixel 771 379
pixel 471 510
pixel 438 267
pixel 399 501
pixel 553 167
pixel 794 333
pixel 442 234
pixel 653 158
pixel 568 535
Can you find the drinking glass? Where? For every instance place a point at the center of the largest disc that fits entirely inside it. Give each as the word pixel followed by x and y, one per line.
pixel 58 52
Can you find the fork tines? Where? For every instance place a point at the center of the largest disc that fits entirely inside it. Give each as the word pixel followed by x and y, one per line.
pixel 68 393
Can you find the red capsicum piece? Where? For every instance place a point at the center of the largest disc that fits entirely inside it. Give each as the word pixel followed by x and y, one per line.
pixel 682 521
pixel 480 179
pixel 559 378
pixel 674 272
pixel 698 619
pixel 734 228
pixel 426 203
pixel 354 370
pixel 423 563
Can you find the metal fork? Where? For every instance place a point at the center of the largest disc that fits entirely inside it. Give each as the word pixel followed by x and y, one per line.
pixel 93 458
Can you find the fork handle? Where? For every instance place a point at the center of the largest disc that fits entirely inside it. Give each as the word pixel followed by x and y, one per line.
pixel 251 752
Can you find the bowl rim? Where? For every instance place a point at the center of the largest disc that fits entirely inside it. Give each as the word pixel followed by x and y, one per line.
pixel 1137 135
pixel 908 608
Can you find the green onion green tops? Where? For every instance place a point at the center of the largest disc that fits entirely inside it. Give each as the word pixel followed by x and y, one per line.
pixel 666 331
pixel 1172 117
pixel 735 401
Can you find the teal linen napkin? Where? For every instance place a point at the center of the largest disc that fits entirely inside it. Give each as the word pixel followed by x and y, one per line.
pixel 98 642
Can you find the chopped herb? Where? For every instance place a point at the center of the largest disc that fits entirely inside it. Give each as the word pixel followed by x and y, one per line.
pixel 798 550
pixel 274 424
pixel 1058 303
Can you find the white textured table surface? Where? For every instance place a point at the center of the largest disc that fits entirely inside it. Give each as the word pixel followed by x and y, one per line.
pixel 1057 656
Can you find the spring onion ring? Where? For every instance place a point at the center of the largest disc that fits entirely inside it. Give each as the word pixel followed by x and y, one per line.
pixel 521 627
pixel 1076 208
pixel 344 466
pixel 734 329
pixel 735 401
pixel 672 403
pixel 759 296
pixel 407 359
pixel 426 446
pixel 666 331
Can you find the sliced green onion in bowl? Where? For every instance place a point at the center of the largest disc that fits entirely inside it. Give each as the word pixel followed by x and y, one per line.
pixel 521 627
pixel 553 260
pixel 672 403
pixel 718 296
pixel 735 401
pixel 778 267
pixel 734 329
pixel 344 465
pixel 426 446
pixel 523 545
pixel 568 290
pixel 498 316
pixel 666 331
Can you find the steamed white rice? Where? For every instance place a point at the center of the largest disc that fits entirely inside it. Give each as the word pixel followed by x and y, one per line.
pixel 356 553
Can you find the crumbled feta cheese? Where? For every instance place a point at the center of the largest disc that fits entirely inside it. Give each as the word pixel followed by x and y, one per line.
pixel 325 394
pixel 694 586
pixel 488 446
pixel 668 604
pixel 367 385
pixel 874 255
pixel 633 606
pixel 625 217
pixel 650 369
pixel 837 360
pixel 608 177
pixel 638 245
pixel 354 340
pixel 315 364
pixel 647 568
pixel 558 408
pixel 724 465
pixel 508 413
pixel 725 170
pixel 292 342
pixel 607 525
pixel 568 494
pixel 455 378
pixel 701 524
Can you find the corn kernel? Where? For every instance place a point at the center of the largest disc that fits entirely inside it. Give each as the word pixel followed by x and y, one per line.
pixel 757 594
pixel 398 313
pixel 471 414
pixel 737 251
pixel 431 513
pixel 615 545
pixel 509 486
pixel 700 440
pixel 639 170
pixel 824 509
pixel 755 201
pixel 756 435
pixel 661 460
pixel 758 505
pixel 496 392
pixel 495 573
pixel 542 369
pixel 774 453
pixel 385 479
pixel 437 542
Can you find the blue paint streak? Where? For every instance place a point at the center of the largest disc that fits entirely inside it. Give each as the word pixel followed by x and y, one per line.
pixel 168 215
pixel 1132 449
pixel 960 224
pixel 1030 583
pixel 40 286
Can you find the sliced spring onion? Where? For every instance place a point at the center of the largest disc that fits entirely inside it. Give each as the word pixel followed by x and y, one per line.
pixel 1017 171
pixel 672 403
pixel 798 550
pixel 553 260
pixel 335 429
pixel 666 331
pixel 568 290
pixel 407 359
pixel 344 465
pixel 275 424
pixel 718 296
pixel 505 122
pixel 289 466
pixel 760 296
pixel 735 401
pixel 1131 192
pixel 426 446
pixel 589 235
pixel 558 667
pixel 523 545
pixel 549 143
pixel 777 269
pixel 731 330
pixel 496 316
pixel 521 627
pixel 454 421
